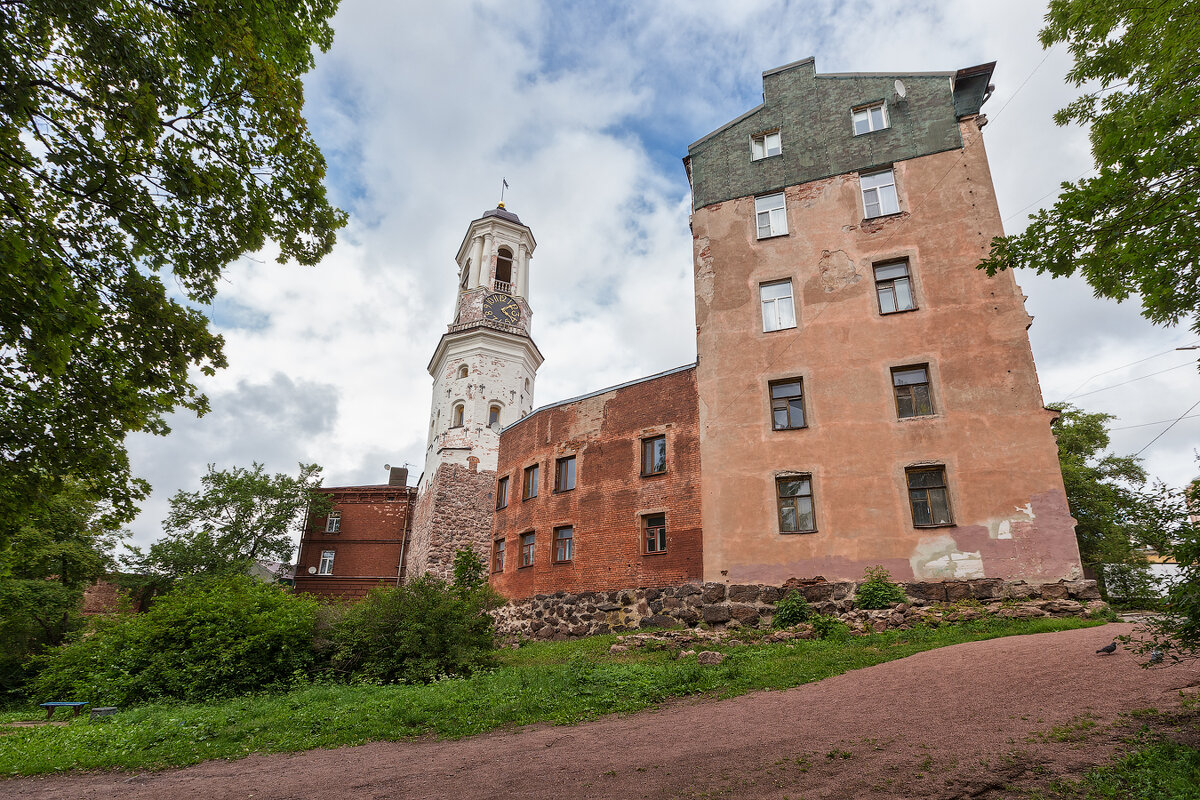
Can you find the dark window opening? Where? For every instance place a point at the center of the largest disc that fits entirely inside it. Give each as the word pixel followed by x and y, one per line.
pixel 794 494
pixel 654 455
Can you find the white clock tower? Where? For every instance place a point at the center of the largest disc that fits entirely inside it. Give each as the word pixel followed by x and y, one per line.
pixel 483 372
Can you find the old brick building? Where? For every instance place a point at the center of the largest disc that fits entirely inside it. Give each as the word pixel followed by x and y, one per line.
pixel 602 491
pixel 862 396
pixel 867 396
pixel 361 543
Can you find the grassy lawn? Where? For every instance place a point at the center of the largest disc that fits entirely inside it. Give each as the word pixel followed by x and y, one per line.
pixel 557 682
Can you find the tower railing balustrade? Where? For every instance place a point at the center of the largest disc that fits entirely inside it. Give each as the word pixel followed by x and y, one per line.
pixel 503 286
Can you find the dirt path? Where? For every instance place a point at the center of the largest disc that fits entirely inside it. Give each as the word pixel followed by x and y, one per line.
pixel 957 722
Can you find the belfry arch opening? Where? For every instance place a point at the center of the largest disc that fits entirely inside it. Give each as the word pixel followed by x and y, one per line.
pixel 504 264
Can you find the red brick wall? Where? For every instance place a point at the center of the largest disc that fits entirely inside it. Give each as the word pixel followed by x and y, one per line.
pixel 611 496
pixel 368 546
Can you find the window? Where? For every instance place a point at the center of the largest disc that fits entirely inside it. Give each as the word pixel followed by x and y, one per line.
pixel 770 215
pixel 529 487
pixel 494 415
pixel 795 504
pixel 333 523
pixel 527 549
pixel 655 530
pixel 564 474
pixel 456 418
pixel 928 497
pixel 498 556
pixel 777 310
pixel 879 193
pixel 654 455
pixel 869 118
pixel 504 263
pixel 912 391
pixel 466 273
pixel 564 544
pixel 502 493
pixel 893 287
pixel 326 567
pixel 463 371
pixel 764 145
pixel 787 404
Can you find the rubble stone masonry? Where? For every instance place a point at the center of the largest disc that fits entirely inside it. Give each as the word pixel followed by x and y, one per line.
pixel 454 511
pixel 566 615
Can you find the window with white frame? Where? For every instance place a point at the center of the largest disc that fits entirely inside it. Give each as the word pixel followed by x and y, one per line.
pixel 879 193
pixel 333 523
pixel 893 287
pixel 326 567
pixel 870 118
pixel 770 216
pixel 777 309
pixel 764 145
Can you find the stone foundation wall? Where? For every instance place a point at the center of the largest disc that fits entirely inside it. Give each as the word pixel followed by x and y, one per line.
pixel 563 616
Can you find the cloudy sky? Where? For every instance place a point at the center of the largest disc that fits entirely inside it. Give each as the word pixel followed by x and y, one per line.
pixel 587 109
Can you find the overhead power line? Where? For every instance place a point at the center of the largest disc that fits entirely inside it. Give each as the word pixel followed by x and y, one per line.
pixel 1172 425
pixel 1135 380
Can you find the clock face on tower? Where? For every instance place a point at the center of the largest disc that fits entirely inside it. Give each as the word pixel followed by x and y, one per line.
pixel 501 308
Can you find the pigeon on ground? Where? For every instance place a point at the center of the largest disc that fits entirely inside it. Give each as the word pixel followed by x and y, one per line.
pixel 1109 650
pixel 1156 656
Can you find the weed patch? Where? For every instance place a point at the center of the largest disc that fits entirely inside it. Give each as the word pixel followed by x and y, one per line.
pixel 557 682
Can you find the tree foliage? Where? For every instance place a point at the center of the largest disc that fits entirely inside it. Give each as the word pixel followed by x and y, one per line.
pixel 1176 633
pixel 1134 228
pixel 238 515
pixel 60 548
pixel 1104 492
pixel 144 146
pixel 204 640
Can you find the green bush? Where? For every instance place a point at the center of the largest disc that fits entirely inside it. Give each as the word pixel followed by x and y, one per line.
pixel 791 610
pixel 204 640
pixel 827 627
pixel 877 590
pixel 417 632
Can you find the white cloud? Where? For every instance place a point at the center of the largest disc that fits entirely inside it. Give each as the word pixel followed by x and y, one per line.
pixel 587 110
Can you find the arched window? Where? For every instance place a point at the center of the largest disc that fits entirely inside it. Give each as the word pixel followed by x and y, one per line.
pixel 494 415
pixel 466 275
pixel 456 418
pixel 527 384
pixel 462 371
pixel 504 263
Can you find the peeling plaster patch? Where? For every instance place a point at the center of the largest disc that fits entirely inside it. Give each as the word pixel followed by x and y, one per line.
pixel 938 557
pixel 1002 528
pixel 705 276
pixel 837 270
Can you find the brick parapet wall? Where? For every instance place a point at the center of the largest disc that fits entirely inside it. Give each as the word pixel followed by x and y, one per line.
pixel 453 511
pixel 563 615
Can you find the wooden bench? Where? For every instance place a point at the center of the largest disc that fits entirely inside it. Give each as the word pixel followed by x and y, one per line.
pixel 75 706
pixel 102 711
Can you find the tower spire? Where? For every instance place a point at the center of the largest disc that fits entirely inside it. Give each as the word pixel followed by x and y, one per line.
pixel 503 186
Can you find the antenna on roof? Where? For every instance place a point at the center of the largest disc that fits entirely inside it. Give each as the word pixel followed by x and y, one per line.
pixel 503 186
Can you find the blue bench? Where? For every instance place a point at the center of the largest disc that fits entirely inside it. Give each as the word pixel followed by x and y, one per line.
pixel 52 707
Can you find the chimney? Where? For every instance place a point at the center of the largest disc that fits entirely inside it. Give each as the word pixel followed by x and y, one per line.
pixel 398 476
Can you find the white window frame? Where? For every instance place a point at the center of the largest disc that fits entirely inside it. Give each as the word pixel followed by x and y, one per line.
pixel 896 285
pixel 777 315
pixel 881 193
pixel 863 114
pixel 326 565
pixel 770 215
pixel 333 523
pixel 765 145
